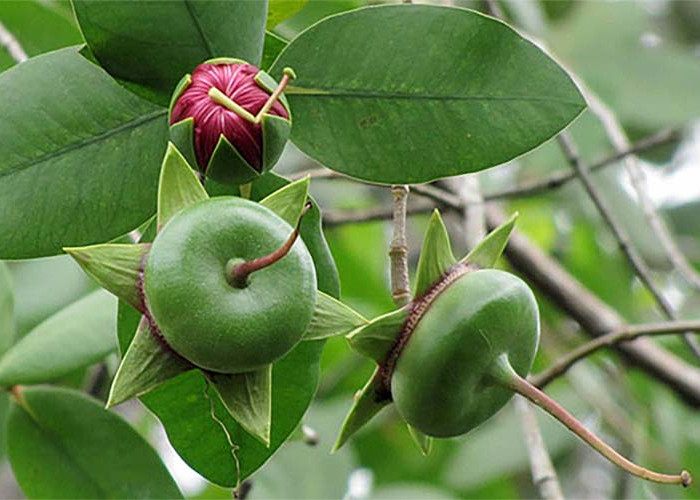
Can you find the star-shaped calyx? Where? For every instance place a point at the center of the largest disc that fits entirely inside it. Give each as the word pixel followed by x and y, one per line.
pixel 150 360
pixel 378 338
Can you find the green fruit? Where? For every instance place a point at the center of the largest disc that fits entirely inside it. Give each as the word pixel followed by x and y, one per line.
pixel 442 382
pixel 201 313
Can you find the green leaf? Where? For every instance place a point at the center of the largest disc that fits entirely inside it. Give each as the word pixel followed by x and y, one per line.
pixel 332 317
pixel 182 405
pixel 424 442
pixel 151 45
pixel 272 48
pixel 115 267
pixel 391 108
pixel 279 10
pixel 178 186
pixel 288 201
pixel 63 444
pixel 7 310
pixel 487 252
pixel 79 156
pixel 38 27
pixel 377 337
pixel 76 336
pixel 436 255
pixel 248 399
pixel 147 364
pixel 365 406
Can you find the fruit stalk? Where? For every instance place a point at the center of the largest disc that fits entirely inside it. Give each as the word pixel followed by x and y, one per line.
pixel 240 271
pixel 506 376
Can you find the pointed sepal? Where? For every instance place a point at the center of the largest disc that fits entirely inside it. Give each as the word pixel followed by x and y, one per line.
pixel 147 364
pixel 227 166
pixel 436 255
pixel 367 403
pixel 288 201
pixel 423 441
pixel 178 186
pixel 332 317
pixel 376 338
pixel 248 398
pixel 115 266
pixel 486 253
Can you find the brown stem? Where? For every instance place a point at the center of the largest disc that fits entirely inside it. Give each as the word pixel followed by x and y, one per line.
pixel 507 377
pixel 240 272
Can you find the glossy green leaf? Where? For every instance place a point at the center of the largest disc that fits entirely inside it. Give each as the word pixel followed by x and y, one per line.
pixel 63 444
pixel 115 267
pixel 279 10
pixel 248 399
pixel 332 317
pixel 288 201
pixel 76 336
pixel 436 255
pixel 391 108
pixel 178 186
pixel 367 403
pixel 147 364
pixel 38 26
pixel 183 406
pixel 376 338
pixel 424 442
pixel 151 45
pixel 487 251
pixel 272 48
pixel 7 310
pixel 79 156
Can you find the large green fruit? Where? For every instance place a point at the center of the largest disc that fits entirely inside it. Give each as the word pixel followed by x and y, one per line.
pixel 201 315
pixel 442 382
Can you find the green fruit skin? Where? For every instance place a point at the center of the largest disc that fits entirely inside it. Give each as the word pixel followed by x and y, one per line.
pixel 441 383
pixel 211 323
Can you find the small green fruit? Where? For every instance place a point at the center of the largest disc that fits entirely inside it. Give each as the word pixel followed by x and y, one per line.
pixel 204 315
pixel 442 382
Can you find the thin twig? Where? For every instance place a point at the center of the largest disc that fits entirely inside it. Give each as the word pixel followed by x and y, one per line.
pixel 622 334
pixel 560 178
pixel 544 477
pixel 635 260
pixel 398 250
pixel 620 142
pixel 11 45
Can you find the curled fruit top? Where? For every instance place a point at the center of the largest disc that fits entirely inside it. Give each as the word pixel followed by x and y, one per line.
pixel 212 87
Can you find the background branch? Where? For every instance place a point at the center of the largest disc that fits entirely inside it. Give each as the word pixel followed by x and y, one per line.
pixel 635 260
pixel 11 45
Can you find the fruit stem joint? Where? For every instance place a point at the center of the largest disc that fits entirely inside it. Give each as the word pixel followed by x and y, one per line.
pixel 238 270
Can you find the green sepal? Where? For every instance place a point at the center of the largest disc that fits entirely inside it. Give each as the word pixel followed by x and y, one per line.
pixel 288 201
pixel 248 399
pixel 227 166
pixel 181 86
pixel 114 266
pixel 275 134
pixel 486 253
pixel 148 363
pixel 376 338
pixel 178 186
pixel 332 317
pixel 366 405
pixel 182 135
pixel 436 257
pixel 225 60
pixel 423 441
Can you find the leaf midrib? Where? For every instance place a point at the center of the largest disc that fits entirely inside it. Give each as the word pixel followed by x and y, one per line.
pixel 365 94
pixel 140 120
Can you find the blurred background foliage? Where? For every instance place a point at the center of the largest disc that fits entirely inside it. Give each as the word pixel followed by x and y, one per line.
pixel 643 60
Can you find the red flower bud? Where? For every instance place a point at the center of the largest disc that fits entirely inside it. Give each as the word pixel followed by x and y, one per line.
pixel 225 99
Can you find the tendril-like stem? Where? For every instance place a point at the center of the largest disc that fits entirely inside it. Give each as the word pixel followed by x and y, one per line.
pixel 239 272
pixel 506 376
